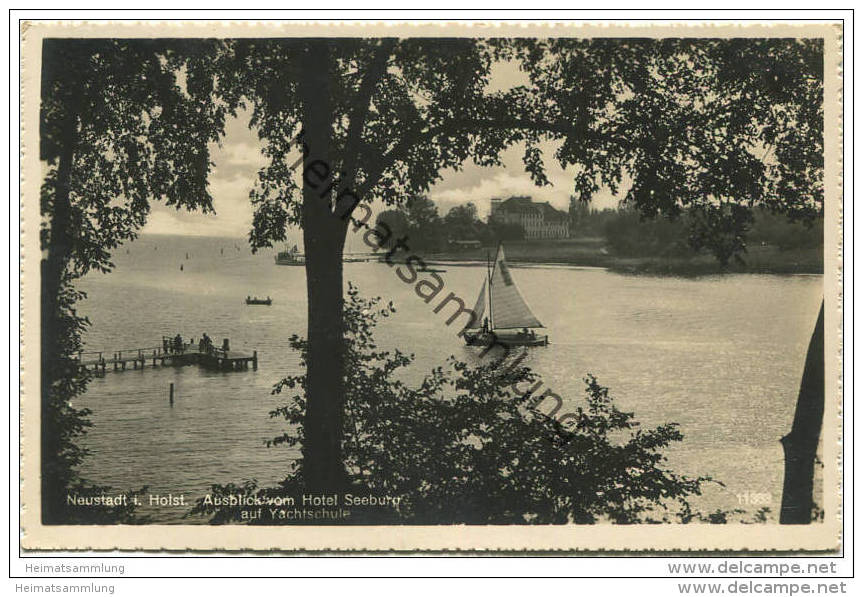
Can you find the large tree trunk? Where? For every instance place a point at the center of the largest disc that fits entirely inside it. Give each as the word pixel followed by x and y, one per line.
pixel 55 475
pixel 323 238
pixel 801 444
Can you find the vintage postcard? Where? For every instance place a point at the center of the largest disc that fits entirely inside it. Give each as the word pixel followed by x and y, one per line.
pixel 496 286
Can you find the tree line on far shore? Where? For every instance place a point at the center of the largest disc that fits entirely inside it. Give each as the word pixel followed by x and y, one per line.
pixel 629 234
pixel 421 222
pixel 625 231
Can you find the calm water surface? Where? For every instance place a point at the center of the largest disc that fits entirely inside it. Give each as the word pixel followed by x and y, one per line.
pixel 721 356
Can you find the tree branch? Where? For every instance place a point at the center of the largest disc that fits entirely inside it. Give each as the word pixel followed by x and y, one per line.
pixel 408 141
pixel 361 105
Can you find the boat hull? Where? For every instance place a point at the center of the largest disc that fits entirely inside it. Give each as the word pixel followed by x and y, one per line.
pixel 503 339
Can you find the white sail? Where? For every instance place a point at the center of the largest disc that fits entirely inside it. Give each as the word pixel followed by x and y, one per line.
pixel 479 309
pixel 508 307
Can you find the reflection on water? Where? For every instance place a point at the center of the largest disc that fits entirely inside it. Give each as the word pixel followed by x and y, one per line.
pixel 720 355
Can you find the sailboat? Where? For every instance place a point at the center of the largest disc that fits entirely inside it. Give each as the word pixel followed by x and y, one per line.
pixel 510 322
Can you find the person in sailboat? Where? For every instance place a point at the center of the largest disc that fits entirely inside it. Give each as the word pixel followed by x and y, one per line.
pixel 507 311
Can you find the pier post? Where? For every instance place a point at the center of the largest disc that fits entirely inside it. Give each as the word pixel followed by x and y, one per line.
pixel 115 361
pixel 255 360
pixel 171 394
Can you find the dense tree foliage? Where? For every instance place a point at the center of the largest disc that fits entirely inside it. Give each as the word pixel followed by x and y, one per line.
pixel 419 221
pixel 630 234
pixel 122 123
pixel 711 126
pixel 464 446
pixel 463 223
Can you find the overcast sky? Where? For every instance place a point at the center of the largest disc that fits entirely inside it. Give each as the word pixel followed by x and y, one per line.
pixel 239 158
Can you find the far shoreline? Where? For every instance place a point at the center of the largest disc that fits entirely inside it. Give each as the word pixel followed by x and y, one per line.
pixel 591 253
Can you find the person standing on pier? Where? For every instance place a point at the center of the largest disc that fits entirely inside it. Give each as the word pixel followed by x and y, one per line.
pixel 178 344
pixel 207 343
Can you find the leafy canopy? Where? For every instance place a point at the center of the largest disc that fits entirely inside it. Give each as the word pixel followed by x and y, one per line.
pixel 715 125
pixel 136 117
pixel 122 123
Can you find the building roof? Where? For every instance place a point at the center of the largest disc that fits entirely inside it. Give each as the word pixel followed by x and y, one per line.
pixel 524 204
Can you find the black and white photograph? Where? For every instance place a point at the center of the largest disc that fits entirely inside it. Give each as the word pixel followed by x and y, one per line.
pixel 363 280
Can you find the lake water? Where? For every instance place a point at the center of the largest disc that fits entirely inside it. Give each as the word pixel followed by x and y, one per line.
pixel 721 355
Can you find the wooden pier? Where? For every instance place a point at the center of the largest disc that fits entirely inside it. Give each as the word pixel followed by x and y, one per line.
pixel 168 355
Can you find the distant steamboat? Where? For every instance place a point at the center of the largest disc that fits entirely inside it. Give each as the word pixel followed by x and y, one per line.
pixel 291 257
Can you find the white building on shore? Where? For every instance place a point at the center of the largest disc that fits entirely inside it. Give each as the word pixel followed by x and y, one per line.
pixel 539 220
